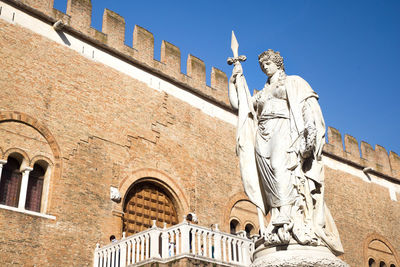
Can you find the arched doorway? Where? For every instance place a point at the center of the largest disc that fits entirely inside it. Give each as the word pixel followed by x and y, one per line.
pixel 145 202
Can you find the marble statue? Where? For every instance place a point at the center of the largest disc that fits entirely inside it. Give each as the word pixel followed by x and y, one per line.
pixel 280 136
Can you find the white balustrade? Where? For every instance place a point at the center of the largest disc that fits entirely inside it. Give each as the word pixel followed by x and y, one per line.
pixel 180 240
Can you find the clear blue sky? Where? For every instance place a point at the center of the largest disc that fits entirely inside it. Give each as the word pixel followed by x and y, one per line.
pixel 349 51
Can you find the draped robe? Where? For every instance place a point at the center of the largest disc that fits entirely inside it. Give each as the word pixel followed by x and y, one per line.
pixel 298 93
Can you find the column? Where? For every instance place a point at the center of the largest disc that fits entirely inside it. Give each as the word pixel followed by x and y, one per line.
pixel 24 187
pixel 2 162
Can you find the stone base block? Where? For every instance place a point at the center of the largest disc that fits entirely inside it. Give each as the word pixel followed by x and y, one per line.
pixel 295 256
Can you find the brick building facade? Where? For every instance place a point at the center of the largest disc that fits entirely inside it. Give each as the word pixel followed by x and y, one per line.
pixel 81 114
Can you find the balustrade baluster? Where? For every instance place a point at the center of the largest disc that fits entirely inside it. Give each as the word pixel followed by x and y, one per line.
pixel 224 249
pixel 198 248
pixel 142 248
pixel 108 257
pixel 133 258
pixel 171 245
pixel 129 245
pixel 147 246
pixel 246 253
pixel 178 243
pixel 104 258
pixel 240 256
pixel 96 253
pixel 112 257
pixel 164 245
pixel 137 249
pixel 204 251
pixel 210 245
pixel 101 255
pixel 230 249
pixel 192 244
pixel 234 250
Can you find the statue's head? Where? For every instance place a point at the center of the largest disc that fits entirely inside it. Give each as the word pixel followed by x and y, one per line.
pixel 271 56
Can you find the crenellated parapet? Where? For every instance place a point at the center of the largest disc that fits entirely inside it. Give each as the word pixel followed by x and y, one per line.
pixel 378 159
pixel 78 20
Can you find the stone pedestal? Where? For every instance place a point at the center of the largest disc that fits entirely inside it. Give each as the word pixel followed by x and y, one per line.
pixel 295 256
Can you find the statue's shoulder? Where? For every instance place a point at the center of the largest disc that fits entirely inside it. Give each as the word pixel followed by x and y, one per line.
pixel 297 81
pixel 295 85
pixel 295 78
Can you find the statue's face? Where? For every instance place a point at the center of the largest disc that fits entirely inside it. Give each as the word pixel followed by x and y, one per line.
pixel 269 67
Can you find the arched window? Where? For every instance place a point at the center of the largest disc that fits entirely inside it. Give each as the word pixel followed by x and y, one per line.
pixel 146 202
pixel 250 230
pixel 234 226
pixel 371 263
pixel 35 188
pixel 10 183
pixel 382 264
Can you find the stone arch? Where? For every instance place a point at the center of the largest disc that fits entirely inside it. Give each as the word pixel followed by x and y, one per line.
pixel 374 237
pixel 235 223
pixel 159 178
pixel 19 151
pixel 40 158
pixel 228 207
pixel 34 123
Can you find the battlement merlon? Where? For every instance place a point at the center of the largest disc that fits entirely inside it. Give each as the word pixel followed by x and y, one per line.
pixel 377 159
pixel 77 21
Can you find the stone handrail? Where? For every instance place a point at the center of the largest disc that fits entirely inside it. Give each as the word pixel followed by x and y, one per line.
pixel 180 240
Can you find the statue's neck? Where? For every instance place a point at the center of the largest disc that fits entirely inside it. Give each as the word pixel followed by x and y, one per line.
pixel 275 78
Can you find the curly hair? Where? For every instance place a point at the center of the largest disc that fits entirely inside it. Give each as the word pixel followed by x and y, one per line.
pixel 273 56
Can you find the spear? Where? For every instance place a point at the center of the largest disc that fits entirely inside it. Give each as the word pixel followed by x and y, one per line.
pixel 233 60
pixel 235 50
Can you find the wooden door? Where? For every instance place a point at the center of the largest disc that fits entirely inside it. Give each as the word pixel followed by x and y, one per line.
pixel 147 202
